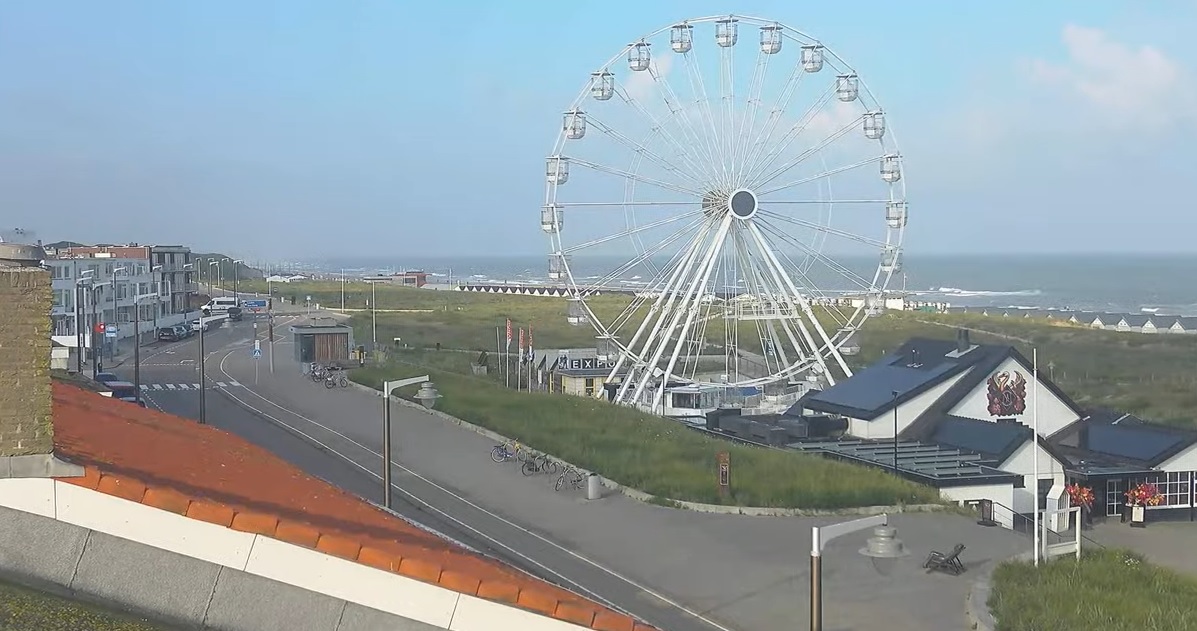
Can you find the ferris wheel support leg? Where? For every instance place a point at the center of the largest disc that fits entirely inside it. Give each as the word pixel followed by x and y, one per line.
pixel 655 312
pixel 660 338
pixel 671 297
pixel 810 313
pixel 770 330
pixel 691 307
pixel 779 277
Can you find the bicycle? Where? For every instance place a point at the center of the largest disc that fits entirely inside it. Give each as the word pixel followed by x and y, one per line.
pixel 318 373
pixel 571 476
pixel 336 379
pixel 539 464
pixel 508 451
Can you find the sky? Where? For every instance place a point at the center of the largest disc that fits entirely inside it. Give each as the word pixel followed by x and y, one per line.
pixel 312 129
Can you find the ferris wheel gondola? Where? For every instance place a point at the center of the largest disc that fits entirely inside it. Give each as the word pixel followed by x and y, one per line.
pixel 704 191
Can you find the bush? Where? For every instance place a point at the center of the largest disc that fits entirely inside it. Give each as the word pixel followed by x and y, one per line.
pixel 657 455
pixel 1110 590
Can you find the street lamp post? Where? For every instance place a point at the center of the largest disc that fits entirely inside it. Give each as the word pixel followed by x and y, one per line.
pixel 884 544
pixel 427 396
pixel 236 273
pixel 211 286
pixel 895 395
pixel 137 338
pixel 115 309
pixel 374 319
pixel 83 283
pixel 342 291
pixel 203 419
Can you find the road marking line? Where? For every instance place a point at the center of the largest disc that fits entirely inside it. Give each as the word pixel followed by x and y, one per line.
pixel 195 386
pixel 144 387
pixel 235 384
pixel 222 384
pixel 157 386
pixel 640 586
pixel 170 386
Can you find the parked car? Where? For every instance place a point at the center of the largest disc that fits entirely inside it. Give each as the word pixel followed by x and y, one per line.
pixel 122 389
pixel 169 334
pixel 107 377
pixel 235 314
pixel 132 400
pixel 183 331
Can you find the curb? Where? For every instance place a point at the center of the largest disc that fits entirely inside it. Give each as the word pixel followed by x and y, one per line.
pixel 648 498
pixel 976 604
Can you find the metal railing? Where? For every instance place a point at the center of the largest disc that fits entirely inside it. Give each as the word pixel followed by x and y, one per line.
pixel 1026 525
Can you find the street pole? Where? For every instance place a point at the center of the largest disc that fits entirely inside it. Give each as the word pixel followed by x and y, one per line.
pixel 78 326
pixel 820 535
pixel 374 317
pixel 235 276
pixel 386 445
pixel 203 419
pixel 895 394
pixel 342 291
pixel 137 349
pixel 91 336
pixel 271 327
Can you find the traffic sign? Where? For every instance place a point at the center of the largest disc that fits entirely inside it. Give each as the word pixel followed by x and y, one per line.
pixel 257 353
pixel 254 304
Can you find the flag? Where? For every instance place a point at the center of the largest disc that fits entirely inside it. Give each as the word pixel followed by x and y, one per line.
pixel 531 355
pixel 521 345
pixel 508 347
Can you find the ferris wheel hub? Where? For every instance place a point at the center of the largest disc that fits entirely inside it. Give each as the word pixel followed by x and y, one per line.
pixel 742 203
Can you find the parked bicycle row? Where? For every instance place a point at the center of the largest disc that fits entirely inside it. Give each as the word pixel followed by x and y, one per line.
pixel 532 463
pixel 330 376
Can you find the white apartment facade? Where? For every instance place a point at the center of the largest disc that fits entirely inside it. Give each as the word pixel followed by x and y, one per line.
pixel 116 286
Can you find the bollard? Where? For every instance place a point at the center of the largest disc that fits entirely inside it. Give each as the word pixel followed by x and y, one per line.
pixel 593 487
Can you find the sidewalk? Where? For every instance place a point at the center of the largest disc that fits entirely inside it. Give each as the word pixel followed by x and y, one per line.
pixel 746 573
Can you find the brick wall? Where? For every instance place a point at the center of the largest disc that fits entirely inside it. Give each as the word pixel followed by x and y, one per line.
pixel 25 398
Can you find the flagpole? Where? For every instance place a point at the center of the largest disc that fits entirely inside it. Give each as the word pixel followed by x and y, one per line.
pixel 498 350
pixel 1035 453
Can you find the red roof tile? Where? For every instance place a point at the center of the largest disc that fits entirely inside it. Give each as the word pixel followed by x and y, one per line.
pixel 204 473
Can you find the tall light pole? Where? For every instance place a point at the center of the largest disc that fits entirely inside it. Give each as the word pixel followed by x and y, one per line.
pixel 212 287
pixel 895 395
pixel 342 291
pixel 427 396
pixel 116 307
pixel 236 273
pixel 83 282
pixel 374 317
pixel 203 419
pixel 884 544
pixel 137 336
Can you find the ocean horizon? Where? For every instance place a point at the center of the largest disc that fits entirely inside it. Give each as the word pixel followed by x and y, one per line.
pixel 1113 282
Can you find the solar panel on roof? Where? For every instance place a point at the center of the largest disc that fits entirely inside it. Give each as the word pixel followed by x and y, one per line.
pixel 873 387
pixel 1132 442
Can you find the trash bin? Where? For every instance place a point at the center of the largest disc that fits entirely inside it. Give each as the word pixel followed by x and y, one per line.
pixel 593 487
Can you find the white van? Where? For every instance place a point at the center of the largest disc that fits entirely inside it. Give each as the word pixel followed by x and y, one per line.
pixel 218 306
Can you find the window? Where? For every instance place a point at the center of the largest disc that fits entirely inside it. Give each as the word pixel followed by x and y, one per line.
pixel 1115 497
pixel 590 387
pixel 1176 486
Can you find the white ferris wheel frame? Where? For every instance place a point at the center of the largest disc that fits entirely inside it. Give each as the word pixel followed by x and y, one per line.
pixel 829 344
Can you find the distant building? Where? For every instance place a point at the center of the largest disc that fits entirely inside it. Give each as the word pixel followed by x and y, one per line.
pixel 406 279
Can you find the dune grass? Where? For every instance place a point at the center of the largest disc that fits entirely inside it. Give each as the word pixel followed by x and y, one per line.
pixel 1152 375
pixel 658 456
pixel 1110 590
pixel 24 609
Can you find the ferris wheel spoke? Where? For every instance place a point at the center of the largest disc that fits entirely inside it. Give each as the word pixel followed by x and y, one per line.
pixel 812 287
pixel 671 100
pixel 765 163
pixel 824 229
pixel 657 126
pixel 642 296
pixel 837 202
pixel 628 175
pixel 699 89
pixel 652 321
pixel 788 239
pixel 727 114
pixel 647 153
pixel 633 203
pixel 765 290
pixel 776 113
pixel 817 349
pixel 631 231
pixel 813 150
pixel 824 174
pixel 748 122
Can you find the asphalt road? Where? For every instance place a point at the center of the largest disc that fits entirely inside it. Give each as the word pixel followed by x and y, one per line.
pixel 352 465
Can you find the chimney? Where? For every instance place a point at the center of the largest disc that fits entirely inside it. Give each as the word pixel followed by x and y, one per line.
pixel 962 343
pixel 26 422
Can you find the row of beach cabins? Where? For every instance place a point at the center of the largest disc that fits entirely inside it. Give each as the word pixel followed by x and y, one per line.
pixel 1129 322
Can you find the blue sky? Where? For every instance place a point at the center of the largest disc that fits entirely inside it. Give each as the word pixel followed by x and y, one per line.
pixel 299 128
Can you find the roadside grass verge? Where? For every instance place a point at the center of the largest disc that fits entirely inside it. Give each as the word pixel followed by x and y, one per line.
pixel 25 609
pixel 658 456
pixel 1110 590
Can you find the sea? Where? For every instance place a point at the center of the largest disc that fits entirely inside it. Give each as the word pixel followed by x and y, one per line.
pixel 1118 283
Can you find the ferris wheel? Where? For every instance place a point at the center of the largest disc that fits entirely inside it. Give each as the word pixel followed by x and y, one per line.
pixel 748 199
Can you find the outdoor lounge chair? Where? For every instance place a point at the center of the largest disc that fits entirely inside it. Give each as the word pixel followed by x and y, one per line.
pixel 946 562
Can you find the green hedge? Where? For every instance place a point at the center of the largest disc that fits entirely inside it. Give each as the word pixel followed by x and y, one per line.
pixel 656 455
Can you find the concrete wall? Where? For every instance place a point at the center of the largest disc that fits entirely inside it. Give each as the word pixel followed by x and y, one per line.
pixel 200 574
pixel 999 493
pixel 95 566
pixel 25 303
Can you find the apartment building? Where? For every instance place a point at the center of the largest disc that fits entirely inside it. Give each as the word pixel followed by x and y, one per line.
pixel 116 285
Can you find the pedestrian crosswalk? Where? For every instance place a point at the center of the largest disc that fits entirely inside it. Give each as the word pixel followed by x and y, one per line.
pixel 175 387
